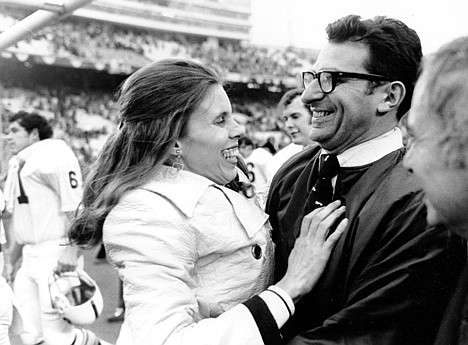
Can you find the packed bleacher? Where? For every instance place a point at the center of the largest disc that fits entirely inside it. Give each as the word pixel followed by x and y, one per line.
pixel 85 117
pixel 98 41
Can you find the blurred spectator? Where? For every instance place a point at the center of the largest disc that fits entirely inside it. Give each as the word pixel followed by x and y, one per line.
pixel 297 118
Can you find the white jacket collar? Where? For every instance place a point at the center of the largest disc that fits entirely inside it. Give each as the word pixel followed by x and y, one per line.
pixel 185 189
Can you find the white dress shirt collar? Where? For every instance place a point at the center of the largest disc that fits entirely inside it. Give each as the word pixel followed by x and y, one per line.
pixel 372 150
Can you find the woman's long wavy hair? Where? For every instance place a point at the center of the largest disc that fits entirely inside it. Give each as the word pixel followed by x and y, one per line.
pixel 154 106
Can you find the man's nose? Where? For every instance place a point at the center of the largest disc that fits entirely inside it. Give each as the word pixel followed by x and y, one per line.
pixel 312 93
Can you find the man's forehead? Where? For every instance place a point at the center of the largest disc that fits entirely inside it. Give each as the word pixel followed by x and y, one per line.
pixel 295 103
pixel 343 56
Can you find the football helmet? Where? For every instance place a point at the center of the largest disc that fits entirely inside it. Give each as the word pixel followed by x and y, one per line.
pixel 76 296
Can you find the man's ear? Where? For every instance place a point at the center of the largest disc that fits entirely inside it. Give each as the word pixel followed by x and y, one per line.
pixel 34 134
pixel 394 94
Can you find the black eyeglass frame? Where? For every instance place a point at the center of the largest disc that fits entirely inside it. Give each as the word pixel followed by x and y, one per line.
pixel 336 74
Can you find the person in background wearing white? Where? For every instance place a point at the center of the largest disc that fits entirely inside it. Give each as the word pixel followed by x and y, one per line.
pixel 6 305
pixel 42 192
pixel 256 160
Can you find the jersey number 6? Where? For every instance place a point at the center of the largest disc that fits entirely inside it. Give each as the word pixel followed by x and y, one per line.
pixel 73 180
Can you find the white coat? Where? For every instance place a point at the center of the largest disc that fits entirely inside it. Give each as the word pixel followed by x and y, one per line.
pixel 189 253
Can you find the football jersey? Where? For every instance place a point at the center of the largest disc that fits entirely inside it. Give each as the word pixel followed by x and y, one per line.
pixel 280 158
pixel 256 165
pixel 50 184
pixel 2 231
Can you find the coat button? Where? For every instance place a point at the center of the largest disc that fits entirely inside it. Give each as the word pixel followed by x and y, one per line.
pixel 256 251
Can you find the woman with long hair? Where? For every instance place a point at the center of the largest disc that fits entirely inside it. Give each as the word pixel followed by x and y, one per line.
pixel 168 200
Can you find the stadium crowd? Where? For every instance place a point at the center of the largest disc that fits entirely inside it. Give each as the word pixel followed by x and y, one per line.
pixel 84 118
pixel 99 42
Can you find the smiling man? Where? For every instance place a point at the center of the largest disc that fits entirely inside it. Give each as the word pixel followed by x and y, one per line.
pixel 390 275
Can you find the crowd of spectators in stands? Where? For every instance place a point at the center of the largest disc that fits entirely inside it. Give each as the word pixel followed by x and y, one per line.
pixel 101 42
pixel 84 118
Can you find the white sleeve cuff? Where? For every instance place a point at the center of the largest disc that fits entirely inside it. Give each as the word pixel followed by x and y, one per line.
pixel 285 296
pixel 282 308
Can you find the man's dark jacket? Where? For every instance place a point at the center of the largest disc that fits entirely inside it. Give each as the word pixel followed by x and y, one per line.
pixel 454 326
pixel 389 277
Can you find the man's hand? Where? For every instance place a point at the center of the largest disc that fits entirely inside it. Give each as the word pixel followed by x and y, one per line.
pixel 9 271
pixel 12 259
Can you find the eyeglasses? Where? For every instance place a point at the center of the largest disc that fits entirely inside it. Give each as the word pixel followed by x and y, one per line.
pixel 327 79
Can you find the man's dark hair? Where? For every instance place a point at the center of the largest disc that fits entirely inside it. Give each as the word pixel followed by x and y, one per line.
pixel 288 97
pixel 31 121
pixel 394 49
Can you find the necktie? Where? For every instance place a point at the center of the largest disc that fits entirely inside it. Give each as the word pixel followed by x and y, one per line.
pixel 322 192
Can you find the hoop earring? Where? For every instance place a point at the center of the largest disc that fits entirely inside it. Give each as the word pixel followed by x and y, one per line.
pixel 177 164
